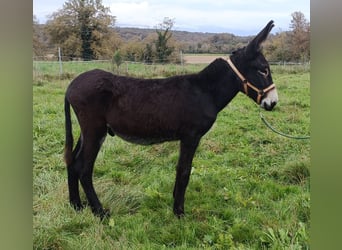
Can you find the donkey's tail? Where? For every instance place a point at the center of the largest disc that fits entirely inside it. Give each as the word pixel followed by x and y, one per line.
pixel 69 140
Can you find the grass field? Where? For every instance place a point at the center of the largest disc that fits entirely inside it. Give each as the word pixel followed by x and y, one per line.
pixel 249 188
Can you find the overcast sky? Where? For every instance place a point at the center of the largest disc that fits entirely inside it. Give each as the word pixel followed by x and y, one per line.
pixel 240 17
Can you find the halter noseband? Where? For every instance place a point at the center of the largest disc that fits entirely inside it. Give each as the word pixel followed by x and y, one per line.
pixel 246 84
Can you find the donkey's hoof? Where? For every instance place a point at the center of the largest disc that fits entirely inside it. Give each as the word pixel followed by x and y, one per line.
pixel 76 205
pixel 180 216
pixel 179 213
pixel 102 213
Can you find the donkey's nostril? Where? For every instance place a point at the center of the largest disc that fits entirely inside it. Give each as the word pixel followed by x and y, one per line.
pixel 269 106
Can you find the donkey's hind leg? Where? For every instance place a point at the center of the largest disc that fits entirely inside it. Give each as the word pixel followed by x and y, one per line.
pixel 92 141
pixel 73 177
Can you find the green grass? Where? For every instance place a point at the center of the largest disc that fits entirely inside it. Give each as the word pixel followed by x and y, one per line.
pixel 45 72
pixel 249 187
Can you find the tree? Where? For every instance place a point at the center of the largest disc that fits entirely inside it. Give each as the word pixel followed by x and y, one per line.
pixel 39 47
pixel 148 53
pixel 163 50
pixel 300 36
pixel 277 48
pixel 117 60
pixel 82 28
pixel 133 51
pixel 293 45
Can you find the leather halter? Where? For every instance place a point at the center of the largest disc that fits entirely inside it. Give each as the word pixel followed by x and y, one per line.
pixel 247 84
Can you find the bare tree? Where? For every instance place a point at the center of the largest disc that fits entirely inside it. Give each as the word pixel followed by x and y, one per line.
pixel 39 47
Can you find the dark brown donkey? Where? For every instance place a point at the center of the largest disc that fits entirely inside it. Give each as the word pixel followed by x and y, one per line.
pixel 147 111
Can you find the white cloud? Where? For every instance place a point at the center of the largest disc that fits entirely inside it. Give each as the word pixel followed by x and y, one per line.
pixel 245 17
pixel 136 14
pixel 150 13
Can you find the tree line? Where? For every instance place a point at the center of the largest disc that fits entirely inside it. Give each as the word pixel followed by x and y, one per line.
pixel 85 29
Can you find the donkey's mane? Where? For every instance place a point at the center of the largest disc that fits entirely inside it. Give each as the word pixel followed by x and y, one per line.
pixel 215 68
pixel 212 73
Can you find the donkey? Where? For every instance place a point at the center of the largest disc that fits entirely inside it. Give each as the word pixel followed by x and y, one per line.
pixel 147 111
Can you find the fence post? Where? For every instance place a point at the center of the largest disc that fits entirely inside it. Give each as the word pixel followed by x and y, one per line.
pixel 182 62
pixel 60 62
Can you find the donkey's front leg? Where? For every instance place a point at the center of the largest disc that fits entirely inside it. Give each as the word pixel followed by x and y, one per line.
pixel 187 150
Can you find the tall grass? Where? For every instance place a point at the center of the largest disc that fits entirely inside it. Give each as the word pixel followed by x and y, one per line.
pixel 249 188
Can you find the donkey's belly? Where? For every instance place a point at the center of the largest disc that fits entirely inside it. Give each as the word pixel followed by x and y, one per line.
pixel 145 140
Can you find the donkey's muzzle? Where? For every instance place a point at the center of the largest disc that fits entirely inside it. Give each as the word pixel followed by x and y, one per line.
pixel 270 100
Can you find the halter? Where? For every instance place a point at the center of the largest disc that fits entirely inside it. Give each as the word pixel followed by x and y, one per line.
pixel 246 84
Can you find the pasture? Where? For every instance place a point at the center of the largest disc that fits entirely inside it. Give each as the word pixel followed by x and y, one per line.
pixel 249 187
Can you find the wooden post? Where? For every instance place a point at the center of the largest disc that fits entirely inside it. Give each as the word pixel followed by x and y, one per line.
pixel 182 62
pixel 60 62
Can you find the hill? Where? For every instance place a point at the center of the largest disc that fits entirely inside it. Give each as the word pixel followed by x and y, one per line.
pixel 128 34
pixel 191 42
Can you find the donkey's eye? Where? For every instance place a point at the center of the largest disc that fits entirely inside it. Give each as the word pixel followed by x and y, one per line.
pixel 263 73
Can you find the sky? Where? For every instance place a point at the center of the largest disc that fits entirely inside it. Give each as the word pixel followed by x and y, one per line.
pixel 240 17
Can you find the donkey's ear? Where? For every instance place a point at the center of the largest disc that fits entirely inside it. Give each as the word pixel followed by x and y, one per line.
pixel 255 45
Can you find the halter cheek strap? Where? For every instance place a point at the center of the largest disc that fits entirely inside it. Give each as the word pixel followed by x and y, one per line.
pixel 247 84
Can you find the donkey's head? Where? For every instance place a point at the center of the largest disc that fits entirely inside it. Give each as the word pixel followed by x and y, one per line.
pixel 253 70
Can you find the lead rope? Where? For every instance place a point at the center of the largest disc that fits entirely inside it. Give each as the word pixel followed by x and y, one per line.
pixel 246 84
pixel 281 133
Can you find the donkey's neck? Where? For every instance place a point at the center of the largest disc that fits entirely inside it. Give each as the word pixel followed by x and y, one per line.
pixel 221 82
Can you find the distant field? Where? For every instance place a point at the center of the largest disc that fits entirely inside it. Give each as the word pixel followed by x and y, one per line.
pixel 201 58
pixel 249 188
